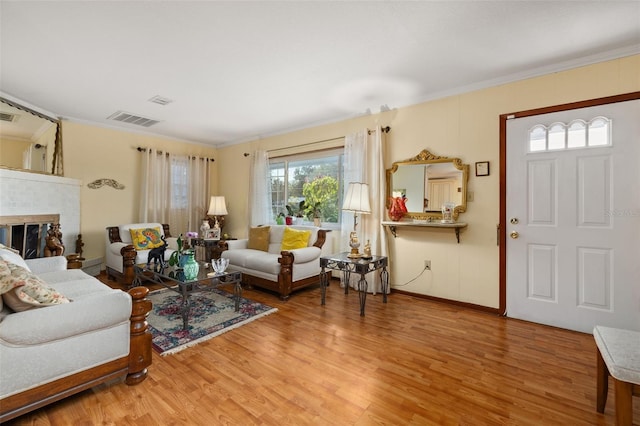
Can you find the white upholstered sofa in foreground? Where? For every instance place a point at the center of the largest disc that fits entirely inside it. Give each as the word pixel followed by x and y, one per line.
pixel 52 351
pixel 268 265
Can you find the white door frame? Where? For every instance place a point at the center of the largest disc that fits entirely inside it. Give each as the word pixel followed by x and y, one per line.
pixel 502 234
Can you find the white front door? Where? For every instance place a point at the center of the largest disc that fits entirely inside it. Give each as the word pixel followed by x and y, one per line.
pixel 573 222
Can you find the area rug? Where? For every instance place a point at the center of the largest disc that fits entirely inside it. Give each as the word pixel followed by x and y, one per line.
pixel 212 313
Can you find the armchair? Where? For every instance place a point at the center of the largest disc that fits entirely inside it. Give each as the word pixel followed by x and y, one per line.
pixel 121 254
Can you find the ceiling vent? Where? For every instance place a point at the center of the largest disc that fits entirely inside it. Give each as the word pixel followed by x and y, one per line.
pixel 11 118
pixel 126 117
pixel 160 100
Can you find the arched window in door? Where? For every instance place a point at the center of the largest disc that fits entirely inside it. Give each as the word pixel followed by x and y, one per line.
pixel 577 134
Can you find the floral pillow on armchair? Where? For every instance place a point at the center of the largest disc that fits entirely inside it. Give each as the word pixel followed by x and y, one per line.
pixel 146 238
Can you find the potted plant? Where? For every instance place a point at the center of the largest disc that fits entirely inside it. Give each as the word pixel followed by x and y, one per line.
pixel 280 218
pixel 295 211
pixel 313 213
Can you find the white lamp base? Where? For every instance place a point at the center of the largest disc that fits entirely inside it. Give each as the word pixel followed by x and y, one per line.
pixel 354 243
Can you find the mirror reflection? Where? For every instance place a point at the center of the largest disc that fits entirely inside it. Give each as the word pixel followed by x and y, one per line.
pixel 427 182
pixel 28 139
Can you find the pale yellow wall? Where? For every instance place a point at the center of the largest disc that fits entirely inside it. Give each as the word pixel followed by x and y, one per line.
pixel 92 153
pixel 11 151
pixel 48 139
pixel 464 126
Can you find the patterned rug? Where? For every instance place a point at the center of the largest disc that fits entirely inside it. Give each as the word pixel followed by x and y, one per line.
pixel 212 313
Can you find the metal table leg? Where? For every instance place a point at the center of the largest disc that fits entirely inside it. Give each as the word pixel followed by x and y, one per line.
pixel 384 279
pixel 237 293
pixel 185 309
pixel 362 293
pixel 346 274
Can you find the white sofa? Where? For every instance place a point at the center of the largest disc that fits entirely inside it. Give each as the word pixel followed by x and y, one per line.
pixel 50 352
pixel 121 255
pixel 274 269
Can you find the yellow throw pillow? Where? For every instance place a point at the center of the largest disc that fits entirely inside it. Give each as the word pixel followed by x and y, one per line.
pixel 146 238
pixel 294 239
pixel 259 238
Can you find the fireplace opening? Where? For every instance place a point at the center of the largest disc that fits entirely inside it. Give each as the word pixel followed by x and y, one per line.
pixel 27 234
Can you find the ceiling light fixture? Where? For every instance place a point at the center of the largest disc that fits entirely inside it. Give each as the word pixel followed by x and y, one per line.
pixel 160 100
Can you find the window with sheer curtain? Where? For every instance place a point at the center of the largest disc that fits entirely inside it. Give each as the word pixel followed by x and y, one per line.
pixel 315 178
pixel 174 190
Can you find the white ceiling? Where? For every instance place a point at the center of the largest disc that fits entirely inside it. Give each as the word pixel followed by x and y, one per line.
pixel 237 71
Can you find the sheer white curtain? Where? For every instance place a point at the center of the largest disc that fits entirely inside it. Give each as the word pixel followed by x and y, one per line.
pixel 155 190
pixel 198 191
pixel 174 190
pixel 364 162
pixel 260 190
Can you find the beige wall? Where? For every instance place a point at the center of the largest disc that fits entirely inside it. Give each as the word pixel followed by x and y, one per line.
pixel 11 151
pixel 92 153
pixel 464 126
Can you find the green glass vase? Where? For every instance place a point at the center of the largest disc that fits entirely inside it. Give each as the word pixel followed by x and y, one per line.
pixel 191 266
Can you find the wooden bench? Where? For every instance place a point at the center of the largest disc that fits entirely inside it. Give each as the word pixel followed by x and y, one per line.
pixel 618 357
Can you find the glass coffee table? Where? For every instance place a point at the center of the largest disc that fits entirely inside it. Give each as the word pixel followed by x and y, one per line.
pixel 172 277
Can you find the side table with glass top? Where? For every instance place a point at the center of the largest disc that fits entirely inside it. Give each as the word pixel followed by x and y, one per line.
pixel 362 266
pixel 208 248
pixel 172 277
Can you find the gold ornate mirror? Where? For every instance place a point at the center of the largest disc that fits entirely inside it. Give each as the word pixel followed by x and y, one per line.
pixel 29 140
pixel 427 181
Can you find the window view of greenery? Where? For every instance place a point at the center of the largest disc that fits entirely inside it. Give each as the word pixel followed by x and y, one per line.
pixel 307 188
pixel 179 185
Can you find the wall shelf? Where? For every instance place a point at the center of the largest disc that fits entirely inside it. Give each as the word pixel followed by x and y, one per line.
pixel 393 226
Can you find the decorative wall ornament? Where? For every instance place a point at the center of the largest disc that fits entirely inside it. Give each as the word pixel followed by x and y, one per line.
pixel 425 155
pixel 99 183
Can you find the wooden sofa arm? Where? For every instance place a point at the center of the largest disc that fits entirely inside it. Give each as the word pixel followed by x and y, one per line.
pixel 285 278
pixel 128 260
pixel 140 340
pixel 322 238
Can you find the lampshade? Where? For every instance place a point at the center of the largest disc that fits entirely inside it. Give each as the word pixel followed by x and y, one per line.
pixel 217 206
pixel 357 198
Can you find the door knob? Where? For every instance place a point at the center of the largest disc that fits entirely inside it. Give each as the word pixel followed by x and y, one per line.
pixel 514 235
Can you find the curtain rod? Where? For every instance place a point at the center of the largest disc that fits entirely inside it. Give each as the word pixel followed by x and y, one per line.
pixel 385 129
pixel 141 149
pixel 305 144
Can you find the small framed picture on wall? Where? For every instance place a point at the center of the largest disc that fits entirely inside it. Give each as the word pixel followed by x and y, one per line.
pixel 482 168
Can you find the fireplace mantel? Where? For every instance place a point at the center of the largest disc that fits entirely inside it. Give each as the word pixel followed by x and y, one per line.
pixel 32 194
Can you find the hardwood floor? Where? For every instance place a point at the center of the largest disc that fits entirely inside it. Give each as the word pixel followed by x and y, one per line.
pixel 409 362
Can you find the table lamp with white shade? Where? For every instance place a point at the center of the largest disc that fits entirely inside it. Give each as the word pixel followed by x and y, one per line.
pixel 217 207
pixel 357 201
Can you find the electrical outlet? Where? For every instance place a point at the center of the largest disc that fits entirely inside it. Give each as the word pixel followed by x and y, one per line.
pixel 427 264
